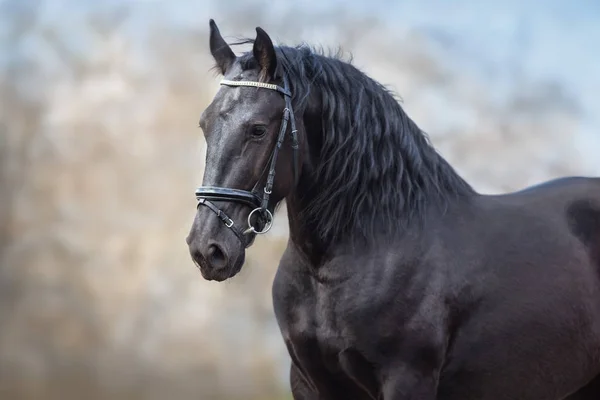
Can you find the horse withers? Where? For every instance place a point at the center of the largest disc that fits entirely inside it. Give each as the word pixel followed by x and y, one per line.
pixel 399 280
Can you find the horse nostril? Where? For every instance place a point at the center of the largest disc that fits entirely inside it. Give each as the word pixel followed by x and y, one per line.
pixel 216 257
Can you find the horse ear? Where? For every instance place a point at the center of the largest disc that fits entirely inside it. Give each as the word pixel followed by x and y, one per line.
pixel 264 53
pixel 219 49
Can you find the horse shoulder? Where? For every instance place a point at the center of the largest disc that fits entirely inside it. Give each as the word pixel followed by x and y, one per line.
pixel 395 308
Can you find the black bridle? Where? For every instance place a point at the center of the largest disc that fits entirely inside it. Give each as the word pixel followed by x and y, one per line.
pixel 207 194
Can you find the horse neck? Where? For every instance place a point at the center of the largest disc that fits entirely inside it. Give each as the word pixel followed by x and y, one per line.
pixel 302 232
pixel 425 178
pixel 432 199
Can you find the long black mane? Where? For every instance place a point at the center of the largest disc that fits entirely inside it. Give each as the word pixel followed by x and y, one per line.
pixel 376 170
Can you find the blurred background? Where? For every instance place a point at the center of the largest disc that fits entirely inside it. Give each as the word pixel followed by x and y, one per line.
pixel 100 154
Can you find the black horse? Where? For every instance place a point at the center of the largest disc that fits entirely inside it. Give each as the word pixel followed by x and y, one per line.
pixel 399 281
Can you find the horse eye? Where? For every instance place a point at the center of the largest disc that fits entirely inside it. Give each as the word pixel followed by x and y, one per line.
pixel 258 130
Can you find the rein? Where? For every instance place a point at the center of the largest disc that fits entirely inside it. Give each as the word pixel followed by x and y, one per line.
pixel 259 202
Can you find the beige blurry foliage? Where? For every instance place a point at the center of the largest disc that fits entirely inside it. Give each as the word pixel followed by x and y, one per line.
pixel 103 297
